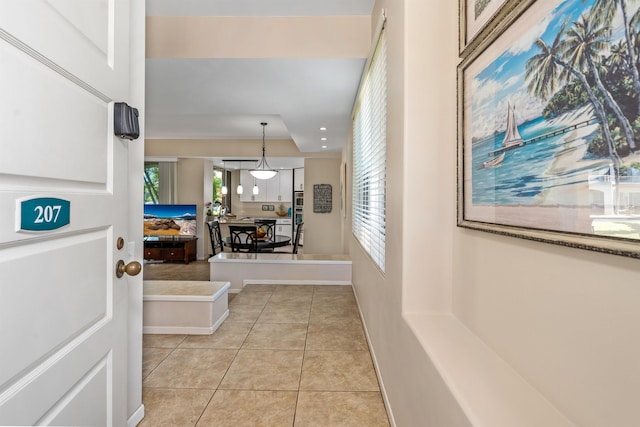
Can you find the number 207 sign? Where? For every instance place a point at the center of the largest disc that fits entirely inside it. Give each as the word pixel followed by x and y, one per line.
pixel 44 214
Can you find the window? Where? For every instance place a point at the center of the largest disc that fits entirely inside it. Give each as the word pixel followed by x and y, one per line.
pixel 217 185
pixel 159 182
pixel 369 157
pixel 151 183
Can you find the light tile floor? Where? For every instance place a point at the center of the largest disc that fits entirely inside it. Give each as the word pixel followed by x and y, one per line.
pixel 286 356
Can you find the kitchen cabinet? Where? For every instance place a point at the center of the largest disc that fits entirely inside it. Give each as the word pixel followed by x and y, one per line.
pixel 274 190
pixel 298 179
pixel 246 188
pixel 283 227
pixel 285 187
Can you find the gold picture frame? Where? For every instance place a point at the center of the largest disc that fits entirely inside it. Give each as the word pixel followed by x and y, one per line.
pixel 534 162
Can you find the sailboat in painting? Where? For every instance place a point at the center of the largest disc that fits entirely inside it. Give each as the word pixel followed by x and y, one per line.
pixel 512 137
pixel 496 161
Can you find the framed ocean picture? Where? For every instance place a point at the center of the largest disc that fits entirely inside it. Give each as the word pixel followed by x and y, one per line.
pixel 478 18
pixel 549 127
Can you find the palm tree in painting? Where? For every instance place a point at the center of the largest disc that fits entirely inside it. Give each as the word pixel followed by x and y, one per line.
pixel 547 70
pixel 584 43
pixel 604 11
pixel 618 59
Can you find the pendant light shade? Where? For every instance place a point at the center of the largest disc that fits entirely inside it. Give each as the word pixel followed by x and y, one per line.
pixel 224 189
pixel 256 190
pixel 239 189
pixel 263 170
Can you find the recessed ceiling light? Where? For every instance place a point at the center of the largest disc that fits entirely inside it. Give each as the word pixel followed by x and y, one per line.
pixel 323 128
pixel 324 146
pixel 323 139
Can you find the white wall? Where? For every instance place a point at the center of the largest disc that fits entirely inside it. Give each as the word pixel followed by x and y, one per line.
pixel 565 319
pixel 322 230
pixel 418 207
pixel 191 176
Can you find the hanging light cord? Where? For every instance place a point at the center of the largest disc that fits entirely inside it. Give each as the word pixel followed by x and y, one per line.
pixel 263 161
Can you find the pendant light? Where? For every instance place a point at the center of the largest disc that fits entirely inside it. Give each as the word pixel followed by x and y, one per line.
pixel 256 190
pixel 224 189
pixel 263 170
pixel 239 189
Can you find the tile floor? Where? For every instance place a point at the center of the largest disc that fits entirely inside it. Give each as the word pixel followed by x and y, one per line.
pixel 286 356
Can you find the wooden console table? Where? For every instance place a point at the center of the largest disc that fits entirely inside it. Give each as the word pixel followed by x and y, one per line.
pixel 170 248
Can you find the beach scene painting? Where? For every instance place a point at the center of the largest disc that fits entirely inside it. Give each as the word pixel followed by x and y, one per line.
pixel 170 220
pixel 551 122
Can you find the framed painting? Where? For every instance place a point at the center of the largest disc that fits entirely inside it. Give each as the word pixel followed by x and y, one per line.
pixel 549 126
pixel 479 18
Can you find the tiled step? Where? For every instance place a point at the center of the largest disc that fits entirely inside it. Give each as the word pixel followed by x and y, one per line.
pixel 275 268
pixel 184 307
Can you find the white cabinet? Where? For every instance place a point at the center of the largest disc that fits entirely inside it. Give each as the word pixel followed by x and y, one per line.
pixel 285 186
pixel 298 179
pixel 283 227
pixel 275 190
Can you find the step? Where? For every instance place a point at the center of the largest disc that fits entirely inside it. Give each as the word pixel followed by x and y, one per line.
pixel 241 269
pixel 184 306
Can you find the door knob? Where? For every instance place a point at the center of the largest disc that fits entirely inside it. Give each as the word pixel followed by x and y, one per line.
pixel 132 268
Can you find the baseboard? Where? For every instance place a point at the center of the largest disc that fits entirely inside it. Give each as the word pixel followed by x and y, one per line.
pixel 219 322
pixel 383 391
pixel 295 282
pixel 177 330
pixel 136 417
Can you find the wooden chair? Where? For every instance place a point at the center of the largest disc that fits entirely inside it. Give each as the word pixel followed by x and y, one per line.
pixel 296 239
pixel 268 226
pixel 244 238
pixel 215 236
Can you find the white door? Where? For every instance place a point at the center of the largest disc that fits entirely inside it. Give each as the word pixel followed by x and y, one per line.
pixel 62 309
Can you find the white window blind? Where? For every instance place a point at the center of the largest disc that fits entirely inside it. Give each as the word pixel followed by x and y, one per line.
pixel 370 157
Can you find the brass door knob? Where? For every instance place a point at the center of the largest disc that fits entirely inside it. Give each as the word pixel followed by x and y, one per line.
pixel 132 269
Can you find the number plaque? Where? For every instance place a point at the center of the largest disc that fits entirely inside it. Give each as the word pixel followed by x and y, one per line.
pixel 44 214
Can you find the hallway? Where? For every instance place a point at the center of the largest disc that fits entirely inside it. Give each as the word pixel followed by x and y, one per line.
pixel 286 356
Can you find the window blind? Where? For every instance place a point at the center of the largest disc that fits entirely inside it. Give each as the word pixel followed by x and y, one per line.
pixel 369 157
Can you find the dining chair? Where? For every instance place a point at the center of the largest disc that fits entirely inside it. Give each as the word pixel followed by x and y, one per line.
pixel 268 226
pixel 296 240
pixel 215 236
pixel 243 238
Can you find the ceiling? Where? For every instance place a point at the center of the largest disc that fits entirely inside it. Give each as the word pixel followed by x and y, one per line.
pixel 227 98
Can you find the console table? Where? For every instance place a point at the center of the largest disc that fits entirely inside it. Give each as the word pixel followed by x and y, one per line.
pixel 170 248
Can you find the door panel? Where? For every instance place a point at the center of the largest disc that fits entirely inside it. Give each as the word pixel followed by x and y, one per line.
pixel 80 406
pixel 87 39
pixel 56 295
pixel 65 108
pixel 62 309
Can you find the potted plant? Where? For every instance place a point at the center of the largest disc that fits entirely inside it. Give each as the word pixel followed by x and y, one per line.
pixel 281 211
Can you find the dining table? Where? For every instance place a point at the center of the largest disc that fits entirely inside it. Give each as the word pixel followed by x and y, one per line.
pixel 275 242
